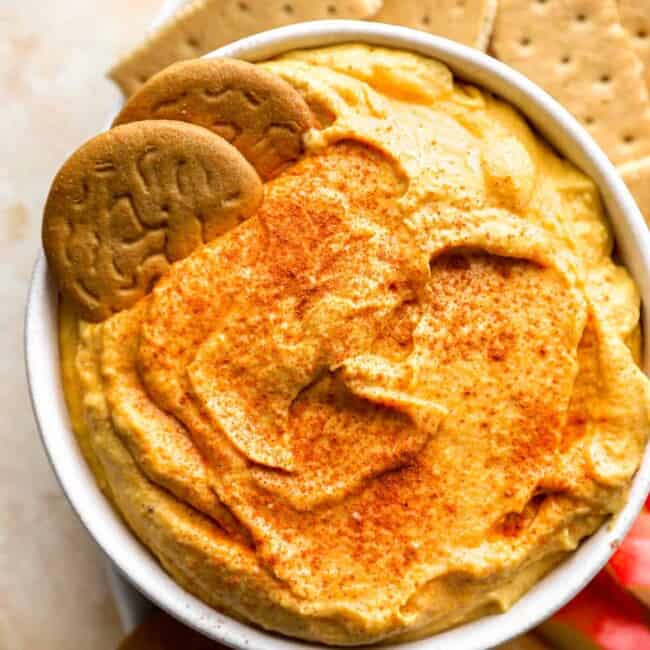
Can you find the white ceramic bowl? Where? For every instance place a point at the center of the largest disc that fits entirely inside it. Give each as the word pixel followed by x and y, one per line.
pixel 135 562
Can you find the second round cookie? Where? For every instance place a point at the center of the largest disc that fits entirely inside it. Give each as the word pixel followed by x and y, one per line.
pixel 258 112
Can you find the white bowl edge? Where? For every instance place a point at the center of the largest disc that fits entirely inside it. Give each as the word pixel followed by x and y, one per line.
pixel 135 562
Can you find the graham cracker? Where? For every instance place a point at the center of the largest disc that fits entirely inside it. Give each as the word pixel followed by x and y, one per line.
pixel 578 51
pixel 526 642
pixel 465 21
pixel 205 25
pixel 636 175
pixel 635 18
pixel 162 632
pixel 257 112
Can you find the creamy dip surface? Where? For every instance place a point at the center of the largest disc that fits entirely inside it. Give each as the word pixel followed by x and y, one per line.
pixel 396 397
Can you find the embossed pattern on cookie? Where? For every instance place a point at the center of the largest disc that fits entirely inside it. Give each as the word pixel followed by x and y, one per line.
pixel 135 199
pixel 256 111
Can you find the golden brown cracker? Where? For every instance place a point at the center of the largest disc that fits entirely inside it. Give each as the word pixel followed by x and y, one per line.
pixel 205 25
pixel 635 18
pixel 135 199
pixel 636 175
pixel 256 111
pixel 578 52
pixel 466 21
pixel 161 632
pixel 526 642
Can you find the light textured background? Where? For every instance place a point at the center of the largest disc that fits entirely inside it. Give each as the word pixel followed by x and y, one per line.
pixel 53 96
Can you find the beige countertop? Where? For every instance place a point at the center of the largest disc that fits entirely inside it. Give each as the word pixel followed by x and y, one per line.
pixel 53 96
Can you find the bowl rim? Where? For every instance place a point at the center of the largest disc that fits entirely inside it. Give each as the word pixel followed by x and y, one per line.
pixel 132 558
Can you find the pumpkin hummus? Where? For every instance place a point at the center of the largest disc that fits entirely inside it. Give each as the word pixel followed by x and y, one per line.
pixel 398 395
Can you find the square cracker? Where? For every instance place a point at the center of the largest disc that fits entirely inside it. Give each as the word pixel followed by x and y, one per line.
pixel 636 175
pixel 466 21
pixel 635 18
pixel 160 631
pixel 578 51
pixel 527 642
pixel 205 25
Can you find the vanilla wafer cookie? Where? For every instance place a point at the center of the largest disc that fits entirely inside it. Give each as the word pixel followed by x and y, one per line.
pixel 258 112
pixel 135 199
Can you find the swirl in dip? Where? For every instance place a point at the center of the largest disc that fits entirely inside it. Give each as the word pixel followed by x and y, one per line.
pixel 397 396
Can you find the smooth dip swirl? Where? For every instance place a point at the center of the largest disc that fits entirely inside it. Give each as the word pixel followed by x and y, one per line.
pixel 399 394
